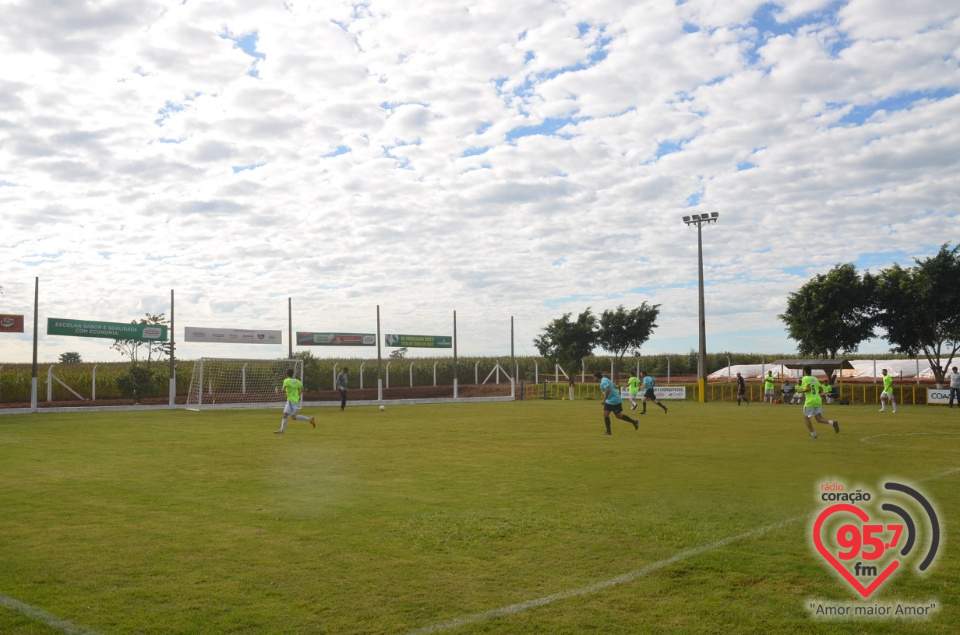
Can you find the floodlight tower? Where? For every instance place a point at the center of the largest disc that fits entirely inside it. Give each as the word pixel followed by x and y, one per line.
pixel 700 220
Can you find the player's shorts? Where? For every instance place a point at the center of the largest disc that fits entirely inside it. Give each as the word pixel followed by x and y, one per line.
pixel 886 395
pixel 812 412
pixel 612 407
pixel 291 408
pixel 768 391
pixel 741 391
pixel 649 394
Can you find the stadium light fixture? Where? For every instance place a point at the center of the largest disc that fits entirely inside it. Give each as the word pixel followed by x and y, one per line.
pixel 699 220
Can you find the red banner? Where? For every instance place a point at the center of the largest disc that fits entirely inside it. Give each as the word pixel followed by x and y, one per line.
pixel 11 324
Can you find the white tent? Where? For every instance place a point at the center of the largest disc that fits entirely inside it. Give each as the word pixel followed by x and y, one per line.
pixel 862 368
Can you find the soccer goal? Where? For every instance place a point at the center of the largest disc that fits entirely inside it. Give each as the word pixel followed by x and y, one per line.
pixel 237 383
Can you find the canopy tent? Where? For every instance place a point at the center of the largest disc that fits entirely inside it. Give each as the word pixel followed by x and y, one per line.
pixel 849 369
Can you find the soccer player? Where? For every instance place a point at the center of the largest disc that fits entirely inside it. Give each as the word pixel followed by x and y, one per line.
pixel 634 387
pixel 342 387
pixel 741 390
pixel 887 394
pixel 612 403
pixel 768 387
pixel 648 393
pixel 293 387
pixel 813 405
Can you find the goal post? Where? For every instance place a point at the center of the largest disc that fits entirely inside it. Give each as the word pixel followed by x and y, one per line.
pixel 233 383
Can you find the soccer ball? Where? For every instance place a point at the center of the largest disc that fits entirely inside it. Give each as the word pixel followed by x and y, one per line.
pixel 382 408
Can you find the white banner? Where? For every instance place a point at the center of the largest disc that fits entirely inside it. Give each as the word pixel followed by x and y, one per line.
pixel 938 396
pixel 232 336
pixel 662 392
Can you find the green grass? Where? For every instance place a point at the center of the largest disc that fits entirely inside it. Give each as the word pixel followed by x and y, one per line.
pixel 420 516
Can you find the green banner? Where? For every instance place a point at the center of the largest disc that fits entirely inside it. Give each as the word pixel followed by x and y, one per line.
pixel 418 341
pixel 336 339
pixel 109 330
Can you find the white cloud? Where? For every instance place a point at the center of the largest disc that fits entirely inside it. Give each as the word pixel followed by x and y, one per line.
pixel 388 154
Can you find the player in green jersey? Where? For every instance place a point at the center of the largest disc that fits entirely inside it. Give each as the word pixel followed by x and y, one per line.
pixel 633 385
pixel 813 405
pixel 887 394
pixel 293 387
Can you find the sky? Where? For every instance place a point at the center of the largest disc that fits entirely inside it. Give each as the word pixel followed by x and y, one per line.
pixel 507 160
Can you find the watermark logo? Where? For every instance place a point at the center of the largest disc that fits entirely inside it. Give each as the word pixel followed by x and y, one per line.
pixel 867 537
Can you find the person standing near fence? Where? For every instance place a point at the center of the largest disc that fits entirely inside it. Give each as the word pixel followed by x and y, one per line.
pixel 887 394
pixel 954 378
pixel 768 387
pixel 612 402
pixel 813 404
pixel 342 387
pixel 648 393
pixel 293 387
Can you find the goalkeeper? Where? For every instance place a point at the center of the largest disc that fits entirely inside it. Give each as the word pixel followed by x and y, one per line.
pixel 293 387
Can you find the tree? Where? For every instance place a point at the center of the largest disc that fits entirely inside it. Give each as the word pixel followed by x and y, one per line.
pixel 831 313
pixel 136 349
pixel 919 308
pixel 622 331
pixel 137 382
pixel 566 343
pixel 70 358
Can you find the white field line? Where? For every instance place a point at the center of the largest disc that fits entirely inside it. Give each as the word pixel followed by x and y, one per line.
pixel 599 586
pixel 625 578
pixel 42 616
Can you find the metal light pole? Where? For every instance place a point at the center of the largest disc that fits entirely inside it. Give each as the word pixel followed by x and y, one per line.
pixel 699 220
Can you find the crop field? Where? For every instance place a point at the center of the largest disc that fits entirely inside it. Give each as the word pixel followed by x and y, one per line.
pixel 507 517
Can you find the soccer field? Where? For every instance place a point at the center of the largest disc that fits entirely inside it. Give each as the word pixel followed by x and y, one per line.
pixel 509 517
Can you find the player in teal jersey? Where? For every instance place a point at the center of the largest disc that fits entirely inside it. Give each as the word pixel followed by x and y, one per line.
pixel 648 393
pixel 887 394
pixel 813 405
pixel 293 387
pixel 633 385
pixel 612 402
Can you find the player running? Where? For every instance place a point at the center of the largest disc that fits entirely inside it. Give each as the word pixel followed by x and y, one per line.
pixel 813 406
pixel 633 386
pixel 293 387
pixel 648 383
pixel 612 402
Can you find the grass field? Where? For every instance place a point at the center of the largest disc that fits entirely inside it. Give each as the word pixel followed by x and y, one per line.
pixel 518 517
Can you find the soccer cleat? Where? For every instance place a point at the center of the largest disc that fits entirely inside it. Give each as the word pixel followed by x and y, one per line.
pixel 313 422
pixel 634 407
pixel 813 435
pixel 836 426
pixel 607 433
pixel 636 425
pixel 278 431
pixel 664 410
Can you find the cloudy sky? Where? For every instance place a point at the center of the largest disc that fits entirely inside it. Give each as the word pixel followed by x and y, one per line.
pixel 497 158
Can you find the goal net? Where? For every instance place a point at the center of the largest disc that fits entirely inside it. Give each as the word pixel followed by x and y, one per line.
pixel 226 383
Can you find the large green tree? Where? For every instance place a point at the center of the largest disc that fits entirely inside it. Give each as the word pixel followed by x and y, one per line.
pixel 623 331
pixel 567 342
pixel 833 312
pixel 919 308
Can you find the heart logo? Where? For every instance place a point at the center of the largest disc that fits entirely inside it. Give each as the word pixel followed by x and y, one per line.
pixel 865 591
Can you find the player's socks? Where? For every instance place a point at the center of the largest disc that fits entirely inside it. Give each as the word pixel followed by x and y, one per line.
pixel 606 420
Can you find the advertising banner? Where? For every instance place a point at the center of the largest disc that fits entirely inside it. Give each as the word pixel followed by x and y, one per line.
pixel 662 392
pixel 939 396
pixel 231 336
pixel 419 341
pixel 11 324
pixel 108 330
pixel 336 339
